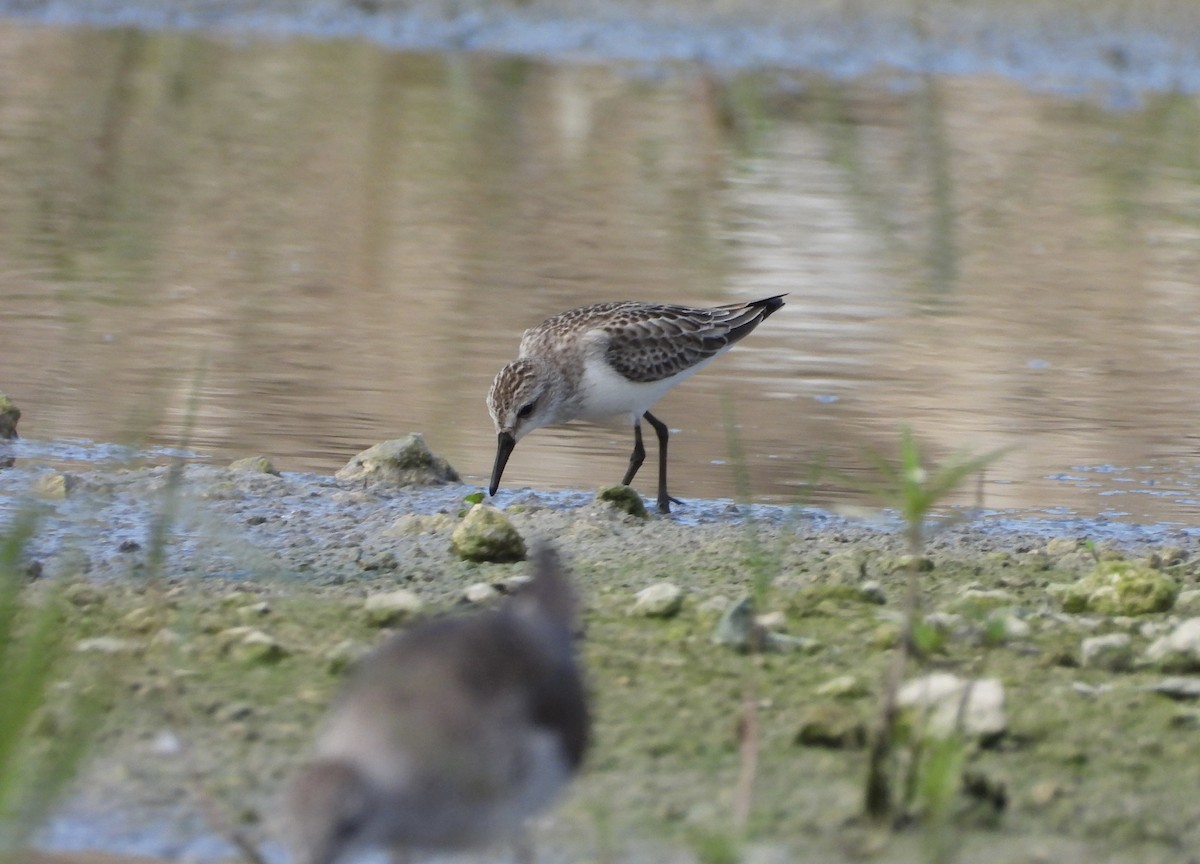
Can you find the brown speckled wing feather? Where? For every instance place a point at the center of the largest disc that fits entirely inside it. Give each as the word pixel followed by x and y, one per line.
pixel 648 342
pixel 656 342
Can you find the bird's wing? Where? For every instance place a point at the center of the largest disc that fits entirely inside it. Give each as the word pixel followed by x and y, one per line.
pixel 657 342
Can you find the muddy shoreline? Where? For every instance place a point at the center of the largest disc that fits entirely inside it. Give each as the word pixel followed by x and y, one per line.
pixel 1091 761
pixel 1106 50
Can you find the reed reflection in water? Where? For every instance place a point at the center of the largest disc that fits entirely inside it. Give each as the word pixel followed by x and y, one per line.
pixel 349 242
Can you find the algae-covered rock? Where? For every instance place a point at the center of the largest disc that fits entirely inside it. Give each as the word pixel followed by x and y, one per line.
pixel 250 647
pixel 946 704
pixel 400 462
pixel 738 628
pixel 623 498
pixel 83 595
pixel 9 415
pixel 1187 603
pixel 884 635
pixel 842 687
pixel 660 600
pixel 55 484
pixel 831 725
pixel 975 598
pixel 1112 652
pixel 900 563
pixel 1061 546
pixel 253 611
pixel 254 464
pixel 1121 588
pixel 1169 556
pixel 823 600
pixel 344 654
pixel 872 592
pixel 485 534
pixel 1179 650
pixel 144 619
pixel 392 608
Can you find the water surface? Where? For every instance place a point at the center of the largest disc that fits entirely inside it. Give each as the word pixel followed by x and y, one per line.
pixel 304 247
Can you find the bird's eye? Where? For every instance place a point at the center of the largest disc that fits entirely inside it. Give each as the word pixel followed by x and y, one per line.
pixel 526 410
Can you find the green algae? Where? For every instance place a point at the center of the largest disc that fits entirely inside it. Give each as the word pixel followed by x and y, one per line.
pixel 667 702
pixel 1120 587
pixel 625 499
pixel 487 534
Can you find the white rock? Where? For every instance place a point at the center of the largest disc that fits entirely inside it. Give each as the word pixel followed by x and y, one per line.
pixel 480 592
pixel 874 592
pixel 660 600
pixel 166 743
pixel 784 642
pixel 1113 652
pixel 993 597
pixel 166 638
pixel 1179 649
pixel 250 646
pixel 1188 602
pixel 1178 687
pixel 1154 629
pixel 392 607
pixel 947 621
pixel 1016 628
pixel 255 610
pixel 941 697
pixel 107 645
pixel 513 584
pixel 1085 689
pixel 345 654
pixel 842 686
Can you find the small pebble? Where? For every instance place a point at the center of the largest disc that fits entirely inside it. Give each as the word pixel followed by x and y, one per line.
pixel 660 600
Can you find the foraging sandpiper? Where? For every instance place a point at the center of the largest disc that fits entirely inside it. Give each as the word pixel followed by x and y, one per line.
pixel 451 735
pixel 612 358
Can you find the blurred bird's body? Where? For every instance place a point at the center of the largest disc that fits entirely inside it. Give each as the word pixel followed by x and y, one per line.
pixel 451 735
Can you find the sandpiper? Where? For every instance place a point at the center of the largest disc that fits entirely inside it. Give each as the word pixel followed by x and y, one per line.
pixel 450 735
pixel 608 359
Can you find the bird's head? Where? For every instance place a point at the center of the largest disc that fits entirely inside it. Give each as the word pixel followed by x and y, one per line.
pixel 523 398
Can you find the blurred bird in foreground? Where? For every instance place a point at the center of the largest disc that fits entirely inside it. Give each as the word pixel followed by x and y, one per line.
pixel 450 735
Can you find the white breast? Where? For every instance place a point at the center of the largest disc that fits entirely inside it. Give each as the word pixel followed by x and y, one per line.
pixel 605 392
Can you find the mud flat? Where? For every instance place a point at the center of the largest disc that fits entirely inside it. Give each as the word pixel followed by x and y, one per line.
pixel 1111 49
pixel 229 639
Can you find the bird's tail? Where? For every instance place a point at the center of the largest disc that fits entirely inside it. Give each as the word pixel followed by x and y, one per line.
pixel 746 316
pixel 767 305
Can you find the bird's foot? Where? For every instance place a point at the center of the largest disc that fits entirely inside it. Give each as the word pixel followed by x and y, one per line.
pixel 665 502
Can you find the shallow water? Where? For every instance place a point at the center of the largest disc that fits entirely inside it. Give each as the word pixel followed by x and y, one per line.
pixel 302 248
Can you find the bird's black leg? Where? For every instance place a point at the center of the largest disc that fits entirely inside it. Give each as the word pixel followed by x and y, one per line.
pixel 637 457
pixel 660 429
